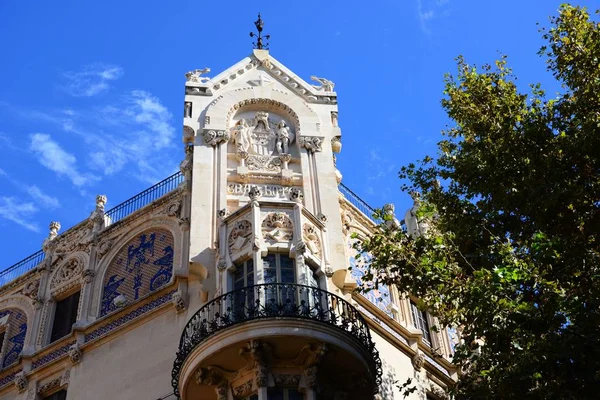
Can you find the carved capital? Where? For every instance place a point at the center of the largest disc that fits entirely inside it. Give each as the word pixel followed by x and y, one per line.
pixel 312 144
pixel 215 137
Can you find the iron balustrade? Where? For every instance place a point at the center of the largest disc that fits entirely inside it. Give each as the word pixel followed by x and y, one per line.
pixel 357 201
pixel 274 301
pixel 115 214
pixel 144 198
pixel 20 268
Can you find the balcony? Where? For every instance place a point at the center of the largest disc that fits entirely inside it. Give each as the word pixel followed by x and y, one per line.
pixel 316 312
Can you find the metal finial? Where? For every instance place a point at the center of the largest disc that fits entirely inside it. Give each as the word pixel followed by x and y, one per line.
pixel 259 44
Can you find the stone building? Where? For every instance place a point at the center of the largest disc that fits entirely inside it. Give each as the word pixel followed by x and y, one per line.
pixel 232 279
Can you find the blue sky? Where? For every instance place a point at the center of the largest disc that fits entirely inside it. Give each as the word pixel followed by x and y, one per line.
pixel 91 93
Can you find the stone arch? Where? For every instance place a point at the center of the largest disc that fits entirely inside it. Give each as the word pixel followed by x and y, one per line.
pixel 220 112
pixel 143 261
pixel 18 312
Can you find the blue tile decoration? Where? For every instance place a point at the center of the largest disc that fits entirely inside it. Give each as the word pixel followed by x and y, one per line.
pixel 8 379
pixel 142 266
pixel 138 312
pixel 379 296
pixel 15 336
pixel 53 355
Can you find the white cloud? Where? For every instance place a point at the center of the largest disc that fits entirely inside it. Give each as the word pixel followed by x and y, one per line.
pixel 41 197
pixel 18 212
pixel 427 10
pixel 91 80
pixel 53 157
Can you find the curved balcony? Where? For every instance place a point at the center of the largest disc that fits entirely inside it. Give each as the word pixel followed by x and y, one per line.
pixel 279 302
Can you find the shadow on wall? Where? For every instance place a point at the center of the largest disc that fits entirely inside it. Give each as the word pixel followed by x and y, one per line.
pixel 388 382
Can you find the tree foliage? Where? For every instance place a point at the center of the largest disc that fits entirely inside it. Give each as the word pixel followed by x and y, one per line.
pixel 513 197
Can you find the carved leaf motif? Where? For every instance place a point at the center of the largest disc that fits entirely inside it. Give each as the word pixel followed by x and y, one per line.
pixel 278 227
pixel 69 272
pixel 239 234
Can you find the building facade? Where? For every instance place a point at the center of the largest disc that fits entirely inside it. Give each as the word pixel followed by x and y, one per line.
pixel 233 279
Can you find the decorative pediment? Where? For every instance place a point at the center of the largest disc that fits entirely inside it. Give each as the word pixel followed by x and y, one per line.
pixel 272 70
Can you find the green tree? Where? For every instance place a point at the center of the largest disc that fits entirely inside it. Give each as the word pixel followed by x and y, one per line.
pixel 513 200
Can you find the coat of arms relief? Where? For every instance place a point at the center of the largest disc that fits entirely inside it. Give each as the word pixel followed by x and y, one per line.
pixel 263 145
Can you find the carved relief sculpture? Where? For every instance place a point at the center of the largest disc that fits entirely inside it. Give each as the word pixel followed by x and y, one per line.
pixel 325 84
pixel 196 75
pixel 75 354
pixel 277 227
pixel 311 143
pixel 311 237
pixel 21 381
pixel 240 235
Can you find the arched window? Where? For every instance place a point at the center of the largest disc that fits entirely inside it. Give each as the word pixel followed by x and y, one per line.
pixel 13 329
pixel 142 266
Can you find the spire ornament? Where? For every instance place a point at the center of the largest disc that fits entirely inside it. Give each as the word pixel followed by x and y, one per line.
pixel 259 44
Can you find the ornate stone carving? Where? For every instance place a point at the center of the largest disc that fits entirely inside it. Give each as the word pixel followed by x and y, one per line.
pixel 254 193
pixel 100 202
pixel 188 134
pixel 214 137
pixel 21 381
pixel 31 288
pixel 257 355
pixel 240 235
pixel 311 236
pixel 328 271
pixel 291 380
pixel 336 144
pixel 54 228
pixel 311 376
pixel 261 143
pixel 223 213
pixel 187 110
pixel 196 75
pixel 296 195
pixel 325 84
pixel 66 377
pixel 243 390
pixel 391 221
pixel 87 276
pixel 178 303
pixel 418 361
pixel 46 387
pixel 277 227
pixel 221 391
pixel 75 354
pixel 67 276
pixel 103 247
pixel 311 143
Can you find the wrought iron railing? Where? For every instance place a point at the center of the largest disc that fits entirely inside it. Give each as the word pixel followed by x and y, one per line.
pixel 275 300
pixel 144 198
pixel 18 269
pixel 356 201
pixel 115 214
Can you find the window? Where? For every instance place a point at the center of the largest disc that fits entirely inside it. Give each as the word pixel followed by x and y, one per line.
pixel 64 316
pixel 420 319
pixel 244 275
pixel 284 394
pixel 279 268
pixel 60 395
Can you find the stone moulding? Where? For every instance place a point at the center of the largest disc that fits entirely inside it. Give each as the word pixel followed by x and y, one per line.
pixel 52 355
pixel 9 378
pixel 130 316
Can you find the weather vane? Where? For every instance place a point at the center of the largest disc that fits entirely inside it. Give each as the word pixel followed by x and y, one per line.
pixel 259 23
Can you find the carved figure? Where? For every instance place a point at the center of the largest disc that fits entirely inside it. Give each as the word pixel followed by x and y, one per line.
pixel 187 109
pixel 325 84
pixel 241 133
pixel 283 138
pixel 414 226
pixel 195 75
pixel 177 300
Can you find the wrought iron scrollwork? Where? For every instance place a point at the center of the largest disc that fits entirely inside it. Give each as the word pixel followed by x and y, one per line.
pixel 275 300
